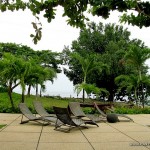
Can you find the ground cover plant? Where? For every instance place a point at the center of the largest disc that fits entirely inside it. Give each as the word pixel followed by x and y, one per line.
pixel 50 101
pixel 2 125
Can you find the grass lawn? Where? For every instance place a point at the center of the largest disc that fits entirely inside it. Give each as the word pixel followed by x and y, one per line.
pixel 49 102
pixel 2 125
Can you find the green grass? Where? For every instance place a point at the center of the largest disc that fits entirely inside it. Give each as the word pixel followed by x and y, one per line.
pixel 49 102
pixel 5 105
pixel 2 125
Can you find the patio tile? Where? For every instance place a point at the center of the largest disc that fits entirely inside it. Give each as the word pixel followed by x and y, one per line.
pixel 18 137
pixel 110 137
pixel 103 127
pixel 17 146
pixel 139 136
pixel 64 146
pixel 122 124
pixel 8 114
pixel 48 129
pixel 120 135
pixel 6 122
pixel 144 122
pixel 60 137
pixel 117 146
pixel 9 117
pixel 23 128
pixel 16 122
pixel 129 128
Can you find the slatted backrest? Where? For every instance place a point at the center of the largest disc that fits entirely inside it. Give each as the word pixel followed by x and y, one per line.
pixel 63 115
pixel 25 111
pixel 40 109
pixel 76 109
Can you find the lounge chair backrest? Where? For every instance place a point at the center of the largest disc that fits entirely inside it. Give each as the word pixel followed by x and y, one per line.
pixel 40 109
pixel 76 109
pixel 100 111
pixel 63 115
pixel 25 111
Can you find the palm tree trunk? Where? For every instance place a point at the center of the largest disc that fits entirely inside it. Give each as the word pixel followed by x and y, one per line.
pixel 40 92
pixel 22 96
pixel 143 97
pixel 36 91
pixel 10 98
pixel 83 96
pixel 136 98
pixel 29 89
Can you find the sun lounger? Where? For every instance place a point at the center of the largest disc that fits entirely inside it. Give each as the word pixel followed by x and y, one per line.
pixel 77 111
pixel 31 117
pixel 41 110
pixel 64 116
pixel 106 115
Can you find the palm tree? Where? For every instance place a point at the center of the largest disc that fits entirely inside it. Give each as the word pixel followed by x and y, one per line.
pixel 90 88
pixel 137 56
pixel 9 73
pixel 88 65
pixel 24 71
pixel 38 75
pixel 130 82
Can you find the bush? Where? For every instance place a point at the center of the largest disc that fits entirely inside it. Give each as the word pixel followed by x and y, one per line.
pixel 2 90
pixel 134 110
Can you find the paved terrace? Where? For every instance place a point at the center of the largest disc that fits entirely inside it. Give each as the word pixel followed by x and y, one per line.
pixel 108 136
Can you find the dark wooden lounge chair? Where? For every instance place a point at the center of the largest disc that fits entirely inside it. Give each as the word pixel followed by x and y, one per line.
pixel 31 117
pixel 66 120
pixel 41 110
pixel 106 115
pixel 77 111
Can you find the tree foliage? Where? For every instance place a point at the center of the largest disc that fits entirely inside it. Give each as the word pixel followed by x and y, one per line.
pixel 75 11
pixel 20 65
pixel 110 43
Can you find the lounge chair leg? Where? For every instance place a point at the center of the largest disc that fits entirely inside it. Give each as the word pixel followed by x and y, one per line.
pixel 26 121
pixel 22 122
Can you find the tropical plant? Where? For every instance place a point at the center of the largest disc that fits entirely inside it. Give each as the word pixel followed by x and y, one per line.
pixel 90 89
pixel 38 76
pixel 88 64
pixel 133 86
pixel 136 56
pixel 109 43
pixel 131 83
pixel 9 73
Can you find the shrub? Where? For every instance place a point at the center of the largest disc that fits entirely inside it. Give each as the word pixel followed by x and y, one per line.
pixel 134 110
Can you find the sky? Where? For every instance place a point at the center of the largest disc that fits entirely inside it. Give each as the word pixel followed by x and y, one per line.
pixel 16 27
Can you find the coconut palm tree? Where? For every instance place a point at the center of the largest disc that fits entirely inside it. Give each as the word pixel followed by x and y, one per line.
pixel 130 82
pixel 88 64
pixel 9 73
pixel 136 56
pixel 38 75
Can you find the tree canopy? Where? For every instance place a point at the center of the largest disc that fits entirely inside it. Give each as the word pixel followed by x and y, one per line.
pixel 110 43
pixel 20 65
pixel 75 11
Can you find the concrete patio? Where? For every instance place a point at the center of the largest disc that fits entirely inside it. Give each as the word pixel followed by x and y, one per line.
pixel 108 136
